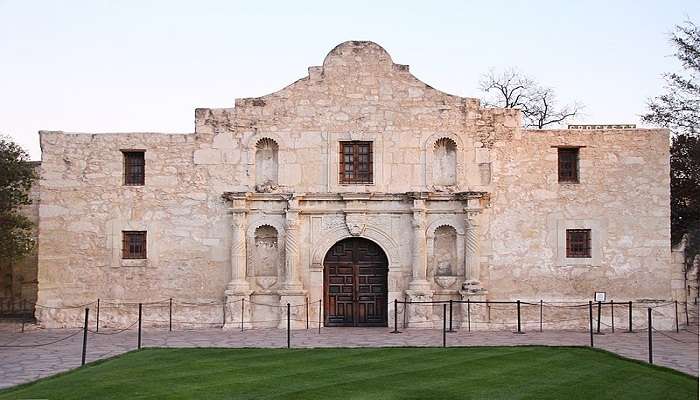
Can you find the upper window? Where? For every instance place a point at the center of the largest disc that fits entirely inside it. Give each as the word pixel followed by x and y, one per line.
pixel 355 162
pixel 134 168
pixel 568 164
pixel 133 244
pixel 578 243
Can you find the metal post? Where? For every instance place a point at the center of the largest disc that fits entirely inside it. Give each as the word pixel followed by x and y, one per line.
pixel 289 327
pixel 444 325
pixel 97 321
pixel 223 313
pixel 651 357
pixel 242 311
pixel 320 312
pixel 396 316
pixel 597 331
pixel 307 312
pixel 140 313
pixel 676 305
pixel 469 316
pixel 590 319
pixel 630 317
pixel 85 330
pixel 612 316
pixel 686 314
pixel 405 310
pixel 540 315
pixel 451 316
pixel 170 317
pixel 519 331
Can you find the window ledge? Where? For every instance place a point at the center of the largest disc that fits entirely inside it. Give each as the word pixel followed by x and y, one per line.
pixel 578 262
pixel 128 262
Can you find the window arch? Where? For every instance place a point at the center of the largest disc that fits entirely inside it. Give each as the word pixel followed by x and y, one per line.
pixel 445 162
pixel 266 164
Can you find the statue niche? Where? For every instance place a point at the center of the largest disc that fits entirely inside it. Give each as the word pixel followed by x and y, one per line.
pixel 445 256
pixel 266 256
pixel 445 162
pixel 266 165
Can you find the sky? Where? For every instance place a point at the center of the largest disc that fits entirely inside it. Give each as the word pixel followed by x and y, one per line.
pixel 144 66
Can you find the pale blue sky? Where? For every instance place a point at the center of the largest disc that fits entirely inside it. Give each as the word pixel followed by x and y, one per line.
pixel 120 66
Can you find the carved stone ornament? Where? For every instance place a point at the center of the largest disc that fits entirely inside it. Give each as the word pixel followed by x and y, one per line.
pixel 356 223
pixel 445 281
pixel 266 282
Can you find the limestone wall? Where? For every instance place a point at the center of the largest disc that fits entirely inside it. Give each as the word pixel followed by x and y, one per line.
pixel 85 206
pixel 623 196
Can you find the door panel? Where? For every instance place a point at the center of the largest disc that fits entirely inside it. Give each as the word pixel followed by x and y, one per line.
pixel 355 284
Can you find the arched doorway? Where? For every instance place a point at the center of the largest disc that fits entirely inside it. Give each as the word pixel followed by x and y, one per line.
pixel 355 284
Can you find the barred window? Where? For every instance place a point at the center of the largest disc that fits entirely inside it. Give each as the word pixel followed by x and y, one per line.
pixel 578 243
pixel 568 164
pixel 134 168
pixel 356 162
pixel 133 244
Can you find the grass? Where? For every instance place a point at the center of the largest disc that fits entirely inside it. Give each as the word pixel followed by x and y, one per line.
pixel 530 372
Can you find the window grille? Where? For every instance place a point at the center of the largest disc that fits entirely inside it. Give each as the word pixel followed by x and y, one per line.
pixel 578 243
pixel 356 162
pixel 568 165
pixel 133 244
pixel 134 168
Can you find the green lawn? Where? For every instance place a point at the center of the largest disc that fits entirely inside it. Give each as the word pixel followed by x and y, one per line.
pixel 377 373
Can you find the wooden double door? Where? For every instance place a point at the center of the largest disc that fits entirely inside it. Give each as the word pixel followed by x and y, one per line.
pixel 355 284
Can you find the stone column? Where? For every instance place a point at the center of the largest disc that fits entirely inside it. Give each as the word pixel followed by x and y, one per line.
pixel 472 256
pixel 419 270
pixel 292 289
pixel 419 289
pixel 471 288
pixel 238 289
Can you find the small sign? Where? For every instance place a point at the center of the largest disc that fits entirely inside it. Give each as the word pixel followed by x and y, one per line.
pixel 600 296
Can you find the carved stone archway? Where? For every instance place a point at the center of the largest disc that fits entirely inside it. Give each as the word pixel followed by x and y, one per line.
pixel 371 232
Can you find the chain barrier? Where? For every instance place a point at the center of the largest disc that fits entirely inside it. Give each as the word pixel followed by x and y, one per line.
pixel 115 332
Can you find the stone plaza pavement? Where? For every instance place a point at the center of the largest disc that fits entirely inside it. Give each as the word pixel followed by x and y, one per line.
pixel 24 364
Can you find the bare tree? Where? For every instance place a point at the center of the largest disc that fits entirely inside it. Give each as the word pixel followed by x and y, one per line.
pixel 508 89
pixel 542 109
pixel 513 89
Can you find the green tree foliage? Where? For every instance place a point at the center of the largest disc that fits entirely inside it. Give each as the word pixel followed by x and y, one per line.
pixel 16 177
pixel 679 110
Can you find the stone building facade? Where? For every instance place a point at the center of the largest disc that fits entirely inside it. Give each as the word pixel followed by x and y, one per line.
pixel 356 185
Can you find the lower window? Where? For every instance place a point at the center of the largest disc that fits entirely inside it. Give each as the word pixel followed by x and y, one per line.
pixel 133 245
pixel 578 243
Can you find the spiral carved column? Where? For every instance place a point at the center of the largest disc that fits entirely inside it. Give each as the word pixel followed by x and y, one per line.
pixel 238 289
pixel 419 289
pixel 292 289
pixel 471 252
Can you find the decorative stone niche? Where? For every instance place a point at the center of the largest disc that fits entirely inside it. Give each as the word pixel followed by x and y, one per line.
pixel 445 256
pixel 445 162
pixel 266 256
pixel 266 165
